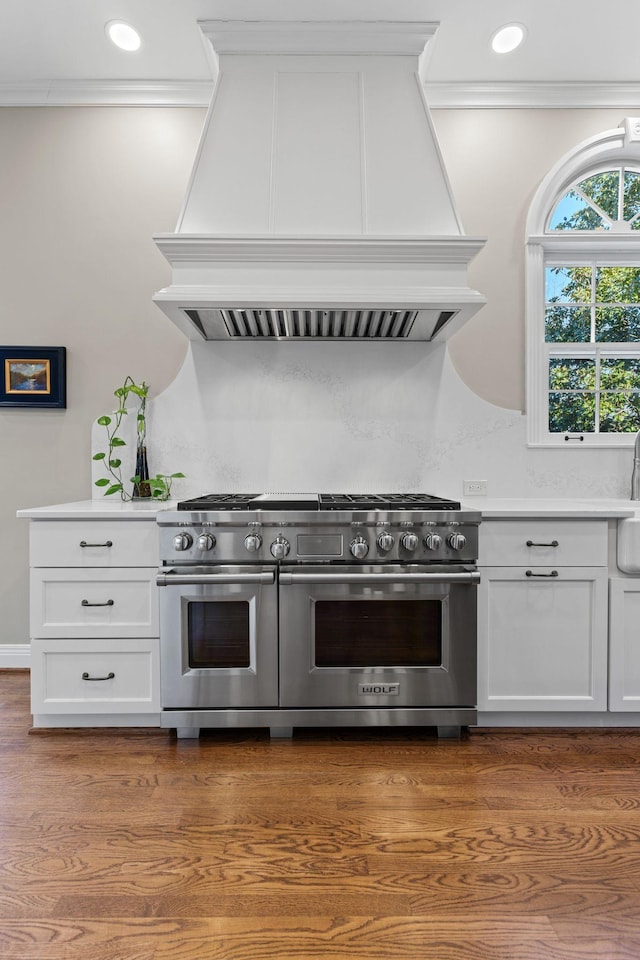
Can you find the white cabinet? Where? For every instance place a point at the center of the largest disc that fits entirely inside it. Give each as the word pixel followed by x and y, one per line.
pixel 93 676
pixel 93 543
pixel 624 644
pixel 542 616
pixel 94 622
pixel 66 602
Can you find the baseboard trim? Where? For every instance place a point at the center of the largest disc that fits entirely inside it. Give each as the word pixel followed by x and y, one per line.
pixel 15 655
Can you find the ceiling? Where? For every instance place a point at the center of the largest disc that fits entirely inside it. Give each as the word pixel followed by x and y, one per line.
pixel 57 52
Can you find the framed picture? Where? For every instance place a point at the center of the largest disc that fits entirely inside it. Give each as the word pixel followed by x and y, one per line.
pixel 33 377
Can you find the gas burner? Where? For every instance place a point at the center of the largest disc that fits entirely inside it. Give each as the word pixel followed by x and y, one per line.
pixel 385 501
pixel 322 501
pixel 218 501
pixel 252 501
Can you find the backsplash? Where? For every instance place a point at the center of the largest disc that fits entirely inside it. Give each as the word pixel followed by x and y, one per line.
pixel 357 417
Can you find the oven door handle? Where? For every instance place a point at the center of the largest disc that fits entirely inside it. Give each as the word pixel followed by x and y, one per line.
pixel 169 578
pixel 467 577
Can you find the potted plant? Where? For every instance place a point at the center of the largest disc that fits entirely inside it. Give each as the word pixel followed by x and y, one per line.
pixel 144 486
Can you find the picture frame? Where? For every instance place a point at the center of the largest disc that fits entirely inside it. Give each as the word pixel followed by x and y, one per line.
pixel 33 377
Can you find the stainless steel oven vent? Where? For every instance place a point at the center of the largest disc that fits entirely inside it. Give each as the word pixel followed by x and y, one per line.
pixel 308 324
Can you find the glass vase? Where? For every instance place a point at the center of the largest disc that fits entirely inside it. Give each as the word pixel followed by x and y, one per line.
pixel 141 489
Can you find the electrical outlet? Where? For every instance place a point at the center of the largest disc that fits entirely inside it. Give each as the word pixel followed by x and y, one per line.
pixel 474 488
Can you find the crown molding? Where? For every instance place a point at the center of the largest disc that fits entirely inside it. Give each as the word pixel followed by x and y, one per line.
pixel 107 93
pixel 193 248
pixel 440 96
pixel 533 96
pixel 318 36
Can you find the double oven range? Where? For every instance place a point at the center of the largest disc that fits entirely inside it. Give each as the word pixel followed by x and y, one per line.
pixel 286 610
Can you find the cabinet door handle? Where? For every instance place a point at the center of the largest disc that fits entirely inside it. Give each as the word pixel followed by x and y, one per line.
pixel 109 676
pixel 531 543
pixel 107 543
pixel 530 573
pixel 107 603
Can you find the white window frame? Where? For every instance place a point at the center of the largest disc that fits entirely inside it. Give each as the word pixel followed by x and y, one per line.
pixel 606 248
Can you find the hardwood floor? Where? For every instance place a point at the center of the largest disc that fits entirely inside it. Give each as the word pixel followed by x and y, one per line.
pixel 367 845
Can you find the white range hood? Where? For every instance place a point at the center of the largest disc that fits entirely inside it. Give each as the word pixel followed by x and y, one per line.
pixel 319 206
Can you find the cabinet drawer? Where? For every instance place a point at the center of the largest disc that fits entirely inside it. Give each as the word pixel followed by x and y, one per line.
pixel 94 603
pixel 93 543
pixel 574 543
pixel 92 676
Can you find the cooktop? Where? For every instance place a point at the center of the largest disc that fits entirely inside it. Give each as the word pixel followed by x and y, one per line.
pixel 319 501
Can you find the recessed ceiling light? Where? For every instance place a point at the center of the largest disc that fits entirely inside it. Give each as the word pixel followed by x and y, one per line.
pixel 507 38
pixel 123 35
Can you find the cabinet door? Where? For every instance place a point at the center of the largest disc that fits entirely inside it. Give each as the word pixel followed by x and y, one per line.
pixel 542 639
pixel 624 644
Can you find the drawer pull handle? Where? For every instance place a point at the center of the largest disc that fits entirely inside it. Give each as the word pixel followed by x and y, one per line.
pixel 109 676
pixel 107 603
pixel 530 573
pixel 108 543
pixel 554 543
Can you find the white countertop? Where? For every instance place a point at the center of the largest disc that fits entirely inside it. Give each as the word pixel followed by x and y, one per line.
pixel 491 508
pixel 99 510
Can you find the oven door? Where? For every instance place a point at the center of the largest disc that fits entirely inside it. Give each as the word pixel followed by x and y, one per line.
pixel 366 636
pixel 218 637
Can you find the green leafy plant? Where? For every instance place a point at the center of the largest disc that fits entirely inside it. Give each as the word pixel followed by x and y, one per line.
pixel 158 487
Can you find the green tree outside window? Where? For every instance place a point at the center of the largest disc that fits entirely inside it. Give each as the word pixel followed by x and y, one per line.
pixel 595 304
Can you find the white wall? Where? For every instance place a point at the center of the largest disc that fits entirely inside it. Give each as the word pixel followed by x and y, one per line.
pixel 496 160
pixel 82 190
pixel 354 417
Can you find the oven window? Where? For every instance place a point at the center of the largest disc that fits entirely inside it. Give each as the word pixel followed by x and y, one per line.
pixel 378 633
pixel 218 633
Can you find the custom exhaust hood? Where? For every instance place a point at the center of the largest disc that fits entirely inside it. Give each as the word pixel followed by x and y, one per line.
pixel 319 206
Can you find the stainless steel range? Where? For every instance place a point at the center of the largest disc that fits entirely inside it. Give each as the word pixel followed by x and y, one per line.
pixel 286 610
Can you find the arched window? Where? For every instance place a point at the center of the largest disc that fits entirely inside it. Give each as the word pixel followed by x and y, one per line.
pixel 583 296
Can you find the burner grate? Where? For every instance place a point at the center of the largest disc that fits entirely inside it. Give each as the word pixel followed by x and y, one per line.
pixel 218 501
pixel 323 501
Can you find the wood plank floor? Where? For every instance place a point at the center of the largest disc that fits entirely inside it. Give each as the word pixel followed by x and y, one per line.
pixel 368 845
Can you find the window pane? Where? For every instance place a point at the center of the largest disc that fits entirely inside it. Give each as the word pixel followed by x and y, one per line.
pixel 618 285
pixel 567 325
pixel 349 633
pixel 568 284
pixel 619 412
pixel 219 634
pixel 568 373
pixel 603 190
pixel 631 200
pixel 572 412
pixel 619 374
pixel 574 213
pixel 617 324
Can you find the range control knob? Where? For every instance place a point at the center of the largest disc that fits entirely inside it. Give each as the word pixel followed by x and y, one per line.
pixel 433 541
pixel 253 542
pixel 359 548
pixel 385 542
pixel 206 541
pixel 456 541
pixel 279 548
pixel 182 541
pixel 409 541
